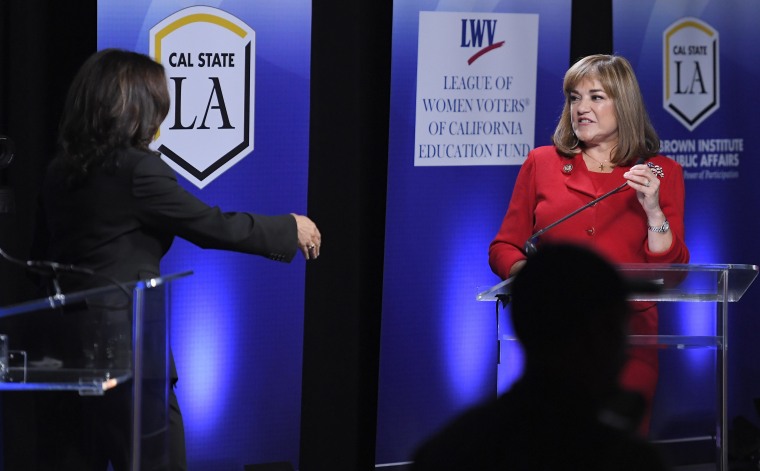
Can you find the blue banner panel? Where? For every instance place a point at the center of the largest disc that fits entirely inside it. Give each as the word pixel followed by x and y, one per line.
pixel 237 325
pixel 474 86
pixel 696 65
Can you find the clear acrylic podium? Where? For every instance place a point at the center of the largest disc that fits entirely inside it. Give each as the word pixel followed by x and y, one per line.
pixel 132 354
pixel 720 284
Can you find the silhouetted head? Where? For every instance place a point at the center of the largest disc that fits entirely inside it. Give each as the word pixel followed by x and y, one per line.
pixel 570 313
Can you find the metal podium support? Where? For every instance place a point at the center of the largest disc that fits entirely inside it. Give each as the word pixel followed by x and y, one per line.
pixel 720 284
pixel 137 352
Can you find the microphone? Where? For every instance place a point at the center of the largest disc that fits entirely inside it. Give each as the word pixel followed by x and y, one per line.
pixel 530 244
pixel 7 198
pixel 7 151
pixel 51 270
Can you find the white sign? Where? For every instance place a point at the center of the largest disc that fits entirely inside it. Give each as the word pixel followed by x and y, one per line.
pixel 690 71
pixel 476 88
pixel 209 57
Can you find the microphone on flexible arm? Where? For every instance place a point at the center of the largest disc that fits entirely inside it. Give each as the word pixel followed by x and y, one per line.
pixel 530 244
pixel 52 270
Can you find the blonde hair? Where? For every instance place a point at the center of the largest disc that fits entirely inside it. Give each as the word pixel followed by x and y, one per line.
pixel 636 135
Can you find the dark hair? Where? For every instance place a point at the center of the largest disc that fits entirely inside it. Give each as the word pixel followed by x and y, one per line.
pixel 636 135
pixel 563 294
pixel 117 100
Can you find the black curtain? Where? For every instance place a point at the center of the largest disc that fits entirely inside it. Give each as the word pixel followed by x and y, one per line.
pixel 42 44
pixel 350 90
pixel 590 28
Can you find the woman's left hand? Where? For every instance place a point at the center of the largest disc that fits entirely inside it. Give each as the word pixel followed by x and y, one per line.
pixel 647 187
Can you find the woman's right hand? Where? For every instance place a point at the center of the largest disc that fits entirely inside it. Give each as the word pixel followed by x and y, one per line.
pixel 516 267
pixel 309 238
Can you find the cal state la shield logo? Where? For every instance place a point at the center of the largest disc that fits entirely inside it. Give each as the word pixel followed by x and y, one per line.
pixel 209 57
pixel 690 71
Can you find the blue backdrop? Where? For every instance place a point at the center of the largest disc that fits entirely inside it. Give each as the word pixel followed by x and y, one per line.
pixel 237 327
pixel 438 344
pixel 721 197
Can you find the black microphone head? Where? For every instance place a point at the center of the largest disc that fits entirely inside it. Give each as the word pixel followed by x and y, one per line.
pixel 530 247
pixel 7 151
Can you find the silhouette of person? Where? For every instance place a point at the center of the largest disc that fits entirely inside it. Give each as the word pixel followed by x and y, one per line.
pixel 567 411
pixel 110 205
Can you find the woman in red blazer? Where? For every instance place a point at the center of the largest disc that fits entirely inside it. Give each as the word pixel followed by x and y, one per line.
pixel 604 139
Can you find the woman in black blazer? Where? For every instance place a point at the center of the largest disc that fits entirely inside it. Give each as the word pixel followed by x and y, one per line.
pixel 111 205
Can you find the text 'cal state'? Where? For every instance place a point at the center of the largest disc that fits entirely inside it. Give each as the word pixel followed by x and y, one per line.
pixel 202 59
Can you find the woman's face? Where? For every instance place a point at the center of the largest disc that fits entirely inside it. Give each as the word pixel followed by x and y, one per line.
pixel 592 113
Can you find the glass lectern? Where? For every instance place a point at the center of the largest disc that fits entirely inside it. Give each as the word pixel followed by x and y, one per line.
pixel 720 284
pixel 122 339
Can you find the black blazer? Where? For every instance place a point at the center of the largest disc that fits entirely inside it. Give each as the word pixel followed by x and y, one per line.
pixel 120 223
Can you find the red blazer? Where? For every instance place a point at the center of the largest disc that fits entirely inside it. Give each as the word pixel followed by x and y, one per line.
pixel 550 186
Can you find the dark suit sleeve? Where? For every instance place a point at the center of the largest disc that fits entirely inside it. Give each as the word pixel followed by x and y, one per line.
pixel 161 203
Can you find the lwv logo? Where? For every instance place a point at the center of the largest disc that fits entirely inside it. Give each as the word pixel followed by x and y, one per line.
pixel 474 32
pixel 209 56
pixel 690 71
